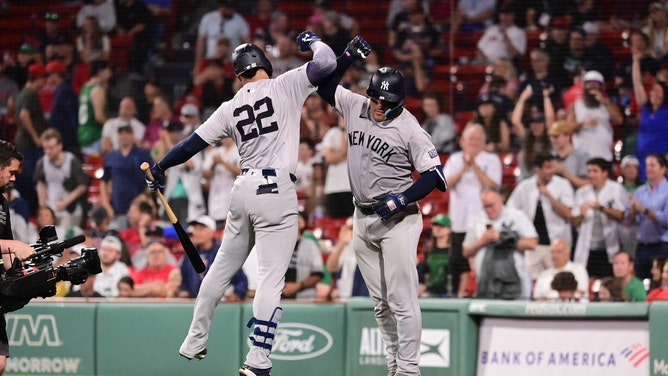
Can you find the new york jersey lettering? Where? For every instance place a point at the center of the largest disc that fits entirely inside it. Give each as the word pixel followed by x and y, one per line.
pixel 373 143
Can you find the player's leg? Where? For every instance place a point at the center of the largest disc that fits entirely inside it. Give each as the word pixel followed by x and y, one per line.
pixel 371 265
pixel 399 248
pixel 237 242
pixel 275 220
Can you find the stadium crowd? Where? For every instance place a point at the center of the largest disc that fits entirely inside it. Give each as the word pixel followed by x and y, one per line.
pixel 551 119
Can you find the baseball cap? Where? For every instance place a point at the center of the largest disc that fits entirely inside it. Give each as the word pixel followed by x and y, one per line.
pixel 51 16
pixel 55 66
pixel 560 127
pixel 559 22
pixel 441 220
pixel 125 128
pixel 36 70
pixel 593 75
pixel 189 109
pixel 630 159
pixel 113 242
pixel 98 214
pixel 204 220
pixel 173 126
pixel 27 48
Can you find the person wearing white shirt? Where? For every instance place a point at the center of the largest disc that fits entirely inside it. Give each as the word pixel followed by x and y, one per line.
pixel 597 212
pixel 223 21
pixel 503 40
pixel 106 283
pixel 560 254
pixel 552 217
pixel 467 172
pixel 127 110
pixel 221 166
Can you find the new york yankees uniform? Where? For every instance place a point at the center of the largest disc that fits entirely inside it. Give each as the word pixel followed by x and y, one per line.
pixel 263 118
pixel 381 160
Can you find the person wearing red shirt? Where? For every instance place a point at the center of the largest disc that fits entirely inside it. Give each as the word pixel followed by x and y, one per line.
pixel 158 278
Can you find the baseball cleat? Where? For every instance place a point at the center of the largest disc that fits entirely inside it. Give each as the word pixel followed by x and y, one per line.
pixel 199 356
pixel 247 370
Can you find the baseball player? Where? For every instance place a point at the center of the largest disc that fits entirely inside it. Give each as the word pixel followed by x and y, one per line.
pixel 385 145
pixel 263 119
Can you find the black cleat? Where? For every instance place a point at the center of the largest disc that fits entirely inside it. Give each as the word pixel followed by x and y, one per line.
pixel 247 370
pixel 199 356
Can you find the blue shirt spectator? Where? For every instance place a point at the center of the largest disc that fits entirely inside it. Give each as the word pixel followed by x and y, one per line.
pixel 65 109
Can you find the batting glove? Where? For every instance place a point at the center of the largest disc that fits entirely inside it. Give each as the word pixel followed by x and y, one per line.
pixel 389 206
pixel 305 38
pixel 358 48
pixel 158 182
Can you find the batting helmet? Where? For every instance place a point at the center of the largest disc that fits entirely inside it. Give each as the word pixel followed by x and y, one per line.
pixel 249 56
pixel 387 84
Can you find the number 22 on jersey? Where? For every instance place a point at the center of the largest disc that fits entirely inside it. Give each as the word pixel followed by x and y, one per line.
pixel 253 118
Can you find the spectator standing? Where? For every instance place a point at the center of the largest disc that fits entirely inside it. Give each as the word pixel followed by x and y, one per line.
pixel 221 167
pixel 597 212
pixel 623 269
pixel 493 120
pixel 306 269
pixel 649 210
pixel 537 140
pixel 102 10
pixel 17 69
pixel 561 261
pixel 126 115
pixel 473 15
pixel 133 18
pixel 657 30
pixel 503 40
pixel 62 184
pixel 601 56
pixel 571 162
pixel 214 77
pixel 51 37
pixel 547 199
pixel 594 115
pixel 284 55
pixel 439 125
pixel 161 115
pixel 106 283
pixel 342 260
pixel 92 108
pixel 223 21
pixel 338 196
pixel 159 278
pixel 64 111
pixel 631 181
pixel 8 92
pixel 93 44
pixel 496 240
pixel 540 78
pixel 467 172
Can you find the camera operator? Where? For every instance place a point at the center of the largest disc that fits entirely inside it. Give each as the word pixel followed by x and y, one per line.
pixel 10 160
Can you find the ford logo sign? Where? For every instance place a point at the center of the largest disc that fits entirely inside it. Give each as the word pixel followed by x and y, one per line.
pixel 297 341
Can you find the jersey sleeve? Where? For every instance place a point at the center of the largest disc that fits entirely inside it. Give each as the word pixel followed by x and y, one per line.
pixel 294 86
pixel 422 152
pixel 346 101
pixel 217 126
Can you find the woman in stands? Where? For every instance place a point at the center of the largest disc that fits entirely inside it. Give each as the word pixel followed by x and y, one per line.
pixel 92 43
pixel 496 127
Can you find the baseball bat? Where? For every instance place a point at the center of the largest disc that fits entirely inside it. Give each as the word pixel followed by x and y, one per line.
pixel 187 244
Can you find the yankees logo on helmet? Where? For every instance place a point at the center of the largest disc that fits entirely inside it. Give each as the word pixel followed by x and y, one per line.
pixel 384 85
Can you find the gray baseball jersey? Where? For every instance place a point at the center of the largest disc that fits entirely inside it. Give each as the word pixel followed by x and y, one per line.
pixel 382 156
pixel 266 108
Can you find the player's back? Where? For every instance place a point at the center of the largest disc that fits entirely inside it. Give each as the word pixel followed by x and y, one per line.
pixel 263 118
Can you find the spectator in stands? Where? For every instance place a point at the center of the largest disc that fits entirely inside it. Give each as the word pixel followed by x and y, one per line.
pixel 224 21
pixel 494 123
pixel 52 37
pixel 338 196
pixel 502 40
pixel 202 232
pixel 65 109
pixel 265 35
pixel 17 70
pixel 284 55
pixel 397 17
pixel 160 117
pixel 342 260
pixel 113 269
pixel 467 172
pixel 631 181
pixel 126 115
pixel 597 213
pixel 122 180
pixel 92 43
pixel 99 224
pixel 496 240
pixel 611 290
pixel 321 7
pixel 61 182
pixel 305 170
pixel 577 57
pixel 30 123
pixel 126 287
pixel 190 118
pixel 649 209
pixel 547 200
pixel 101 10
pixel 438 261
pixel 221 167
pixel 640 51
pixel 600 55
pixel 566 286
pixel 657 29
pixel 306 268
pixel 8 92
pixel 473 15
pixel 144 102
pixel 92 108
pixel 439 125
pixel 45 216
pixel 623 269
pixel 333 33
pixel 653 122
pixel 133 18
pixel 537 139
pixel 594 116
pixel 561 261
pixel 214 78
pixel 502 68
pixel 571 162
pixel 317 118
pixel 556 47
pixel 539 78
pixel 657 270
pixel 160 11
pixel 661 292
pixel 158 278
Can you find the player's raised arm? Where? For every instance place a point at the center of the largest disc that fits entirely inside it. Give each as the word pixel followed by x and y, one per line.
pixel 324 60
pixel 357 48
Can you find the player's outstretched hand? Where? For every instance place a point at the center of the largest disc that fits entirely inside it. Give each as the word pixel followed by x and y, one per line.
pixel 389 206
pixel 358 48
pixel 158 182
pixel 305 38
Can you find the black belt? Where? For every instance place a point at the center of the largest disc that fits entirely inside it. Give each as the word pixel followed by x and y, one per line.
pixel 366 209
pixel 411 208
pixel 268 172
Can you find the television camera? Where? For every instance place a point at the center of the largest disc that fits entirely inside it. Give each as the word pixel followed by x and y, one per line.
pixel 37 277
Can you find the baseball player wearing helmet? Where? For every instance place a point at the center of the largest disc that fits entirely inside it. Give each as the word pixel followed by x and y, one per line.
pixel 385 145
pixel 263 119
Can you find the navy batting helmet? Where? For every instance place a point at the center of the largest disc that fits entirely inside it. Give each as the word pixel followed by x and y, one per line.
pixel 249 56
pixel 387 84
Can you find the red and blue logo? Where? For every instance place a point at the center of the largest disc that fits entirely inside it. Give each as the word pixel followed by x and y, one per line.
pixel 636 354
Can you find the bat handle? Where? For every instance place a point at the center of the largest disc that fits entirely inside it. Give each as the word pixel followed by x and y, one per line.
pixel 168 209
